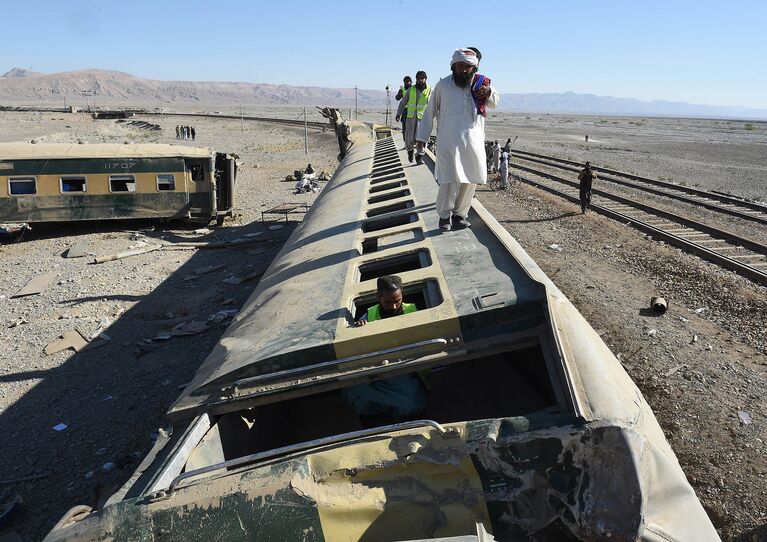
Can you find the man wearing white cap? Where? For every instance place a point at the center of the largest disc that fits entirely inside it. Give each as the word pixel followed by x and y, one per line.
pixel 458 103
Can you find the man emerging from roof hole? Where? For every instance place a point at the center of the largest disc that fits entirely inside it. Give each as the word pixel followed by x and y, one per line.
pixel 389 294
pixel 396 399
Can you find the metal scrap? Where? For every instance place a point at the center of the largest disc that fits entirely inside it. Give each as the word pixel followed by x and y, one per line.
pixel 70 339
pixel 126 254
pixel 36 285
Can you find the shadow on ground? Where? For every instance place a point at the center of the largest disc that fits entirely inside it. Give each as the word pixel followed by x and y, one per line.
pixel 114 397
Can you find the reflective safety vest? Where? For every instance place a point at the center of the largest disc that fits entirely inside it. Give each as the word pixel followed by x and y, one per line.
pixel 414 108
pixel 374 312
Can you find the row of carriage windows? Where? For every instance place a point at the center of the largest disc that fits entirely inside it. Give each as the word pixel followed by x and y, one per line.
pixel 24 186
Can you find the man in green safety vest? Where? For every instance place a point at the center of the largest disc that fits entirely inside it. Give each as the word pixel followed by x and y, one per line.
pixel 389 293
pixel 418 97
pixel 397 398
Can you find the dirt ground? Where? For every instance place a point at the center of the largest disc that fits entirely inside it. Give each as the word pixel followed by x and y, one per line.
pixel 702 366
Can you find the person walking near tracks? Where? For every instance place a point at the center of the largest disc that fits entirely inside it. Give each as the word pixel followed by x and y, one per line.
pixel 586 178
pixel 496 156
pixel 417 99
pixel 458 104
pixel 504 169
pixel 402 95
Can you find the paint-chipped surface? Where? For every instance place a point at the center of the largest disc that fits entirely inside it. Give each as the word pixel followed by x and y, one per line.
pixel 537 478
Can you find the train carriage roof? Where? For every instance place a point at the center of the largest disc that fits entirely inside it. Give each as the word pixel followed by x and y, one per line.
pixel 55 151
pixel 295 331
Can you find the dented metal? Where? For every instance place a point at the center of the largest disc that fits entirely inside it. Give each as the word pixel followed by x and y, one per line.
pixel 537 432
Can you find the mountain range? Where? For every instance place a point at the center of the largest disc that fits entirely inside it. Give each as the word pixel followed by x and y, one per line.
pixel 113 88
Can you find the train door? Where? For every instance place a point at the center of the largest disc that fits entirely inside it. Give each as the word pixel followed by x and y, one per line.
pixel 226 173
pixel 199 188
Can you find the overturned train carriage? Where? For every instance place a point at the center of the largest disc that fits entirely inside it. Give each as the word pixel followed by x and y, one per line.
pixel 67 182
pixel 532 430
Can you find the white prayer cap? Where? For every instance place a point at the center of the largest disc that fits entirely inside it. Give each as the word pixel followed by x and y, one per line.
pixel 465 55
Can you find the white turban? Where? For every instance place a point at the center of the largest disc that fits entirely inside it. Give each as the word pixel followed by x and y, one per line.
pixel 465 55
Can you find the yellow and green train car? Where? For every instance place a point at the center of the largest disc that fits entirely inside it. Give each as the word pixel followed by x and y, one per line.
pixel 68 182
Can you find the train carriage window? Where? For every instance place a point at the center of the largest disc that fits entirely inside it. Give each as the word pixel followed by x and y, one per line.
pixel 20 186
pixel 73 184
pixel 198 172
pixel 122 183
pixel 166 181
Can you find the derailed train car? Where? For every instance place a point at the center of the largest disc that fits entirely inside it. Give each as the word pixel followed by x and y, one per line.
pixel 533 431
pixel 68 182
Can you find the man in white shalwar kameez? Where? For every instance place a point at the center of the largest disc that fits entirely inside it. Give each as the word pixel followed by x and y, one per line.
pixel 461 159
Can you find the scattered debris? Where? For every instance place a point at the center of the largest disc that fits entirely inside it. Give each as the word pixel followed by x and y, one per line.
pixel 189 328
pixel 555 247
pixel 239 280
pixel 60 427
pixel 634 353
pixel 19 321
pixel 701 310
pixel 651 332
pixel 108 466
pixel 36 285
pixel 126 254
pixel 745 417
pixel 659 305
pixel 70 339
pixel 202 231
pixel 275 227
pixel 674 370
pixel 222 315
pixel 208 269
pixel 78 250
pixel 694 339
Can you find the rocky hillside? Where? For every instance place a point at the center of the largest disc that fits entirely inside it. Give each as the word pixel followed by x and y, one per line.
pixel 113 88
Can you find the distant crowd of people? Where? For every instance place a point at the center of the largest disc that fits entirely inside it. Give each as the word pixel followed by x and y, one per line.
pixel 185 132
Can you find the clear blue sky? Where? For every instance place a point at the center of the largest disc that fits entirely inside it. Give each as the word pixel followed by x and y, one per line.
pixel 698 51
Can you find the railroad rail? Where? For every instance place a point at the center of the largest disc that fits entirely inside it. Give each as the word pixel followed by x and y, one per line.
pixel 715 201
pixel 729 250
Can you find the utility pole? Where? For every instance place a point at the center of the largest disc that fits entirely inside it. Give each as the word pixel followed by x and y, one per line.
pixel 388 106
pixel 356 111
pixel 306 133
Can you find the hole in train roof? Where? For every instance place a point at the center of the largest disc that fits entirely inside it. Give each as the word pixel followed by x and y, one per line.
pixel 386 170
pixel 425 294
pixel 400 206
pixel 389 196
pixel 398 239
pixel 502 385
pixel 389 222
pixel 394 265
pixel 387 186
pixel 389 177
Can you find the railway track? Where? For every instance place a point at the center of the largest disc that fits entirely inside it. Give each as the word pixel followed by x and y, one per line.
pixel 745 256
pixel 721 203
pixel 292 122
pixel 145 112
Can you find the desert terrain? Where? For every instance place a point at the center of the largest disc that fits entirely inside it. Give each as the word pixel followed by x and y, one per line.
pixel 702 366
